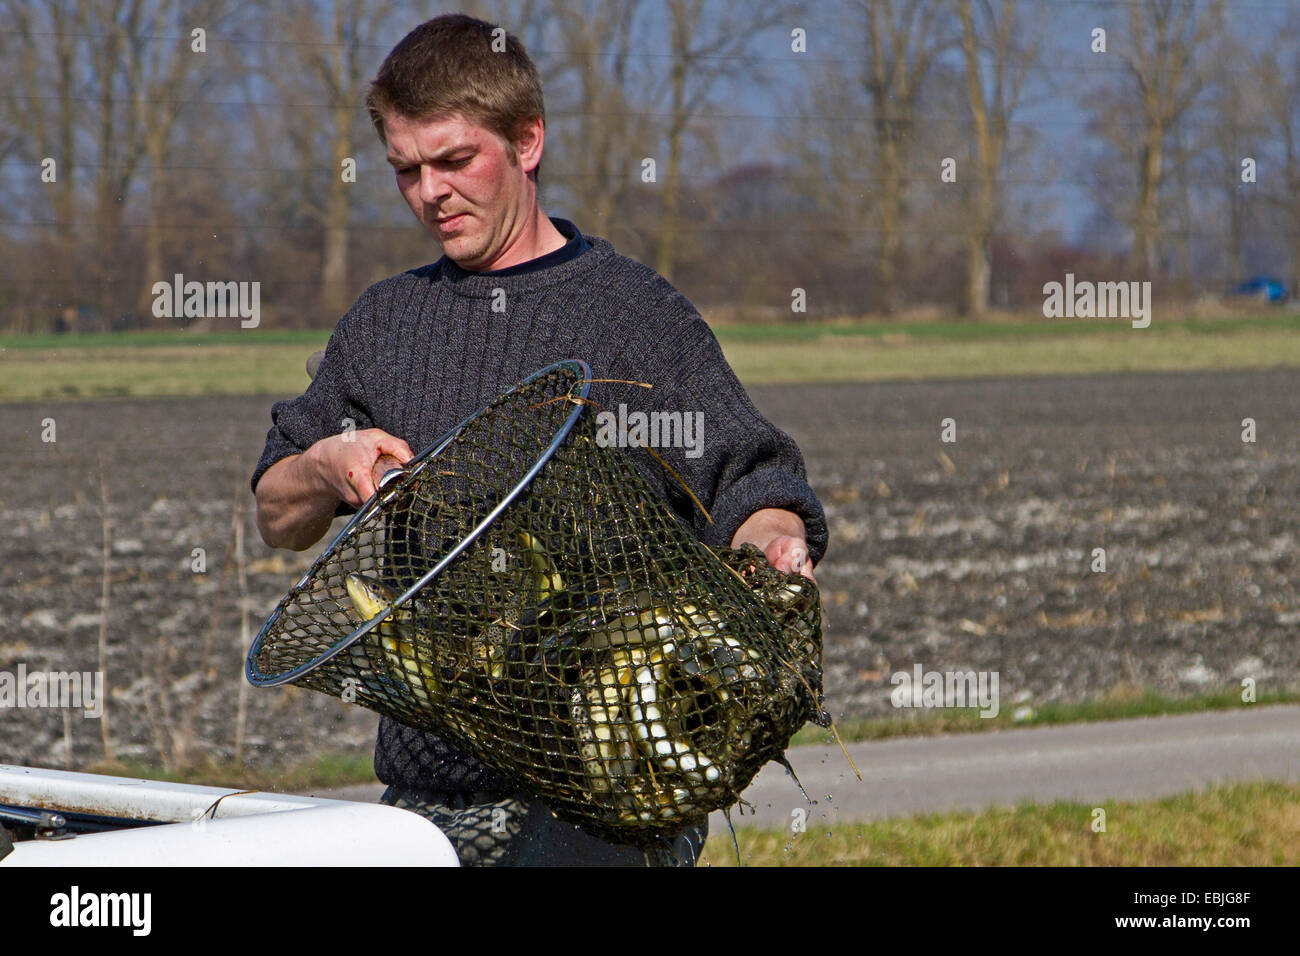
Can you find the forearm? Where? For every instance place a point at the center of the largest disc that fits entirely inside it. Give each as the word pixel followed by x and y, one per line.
pixel 295 506
pixel 298 495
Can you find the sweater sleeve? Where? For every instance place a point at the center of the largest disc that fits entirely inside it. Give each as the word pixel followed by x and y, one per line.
pixel 742 462
pixel 334 398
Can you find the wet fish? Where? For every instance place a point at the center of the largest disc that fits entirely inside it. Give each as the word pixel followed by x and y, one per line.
pixel 370 597
pixel 398 636
pixel 662 702
pixel 487 647
pixel 658 720
pixel 525 610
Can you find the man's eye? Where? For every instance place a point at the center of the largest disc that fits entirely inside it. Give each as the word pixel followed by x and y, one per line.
pixel 405 170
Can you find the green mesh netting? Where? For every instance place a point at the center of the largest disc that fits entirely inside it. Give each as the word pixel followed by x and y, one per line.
pixel 579 641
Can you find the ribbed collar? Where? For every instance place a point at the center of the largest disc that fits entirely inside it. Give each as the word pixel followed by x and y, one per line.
pixel 480 286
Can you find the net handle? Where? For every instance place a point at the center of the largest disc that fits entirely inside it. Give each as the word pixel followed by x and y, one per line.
pixel 386 469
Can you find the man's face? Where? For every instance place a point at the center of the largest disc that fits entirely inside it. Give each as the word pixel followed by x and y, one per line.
pixel 461 182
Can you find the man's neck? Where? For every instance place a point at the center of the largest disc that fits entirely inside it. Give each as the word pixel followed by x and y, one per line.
pixel 538 237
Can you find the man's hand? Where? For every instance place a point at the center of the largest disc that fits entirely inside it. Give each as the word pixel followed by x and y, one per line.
pixel 780 535
pixel 347 466
pixel 297 496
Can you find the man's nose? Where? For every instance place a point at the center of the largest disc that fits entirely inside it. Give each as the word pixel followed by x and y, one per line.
pixel 433 186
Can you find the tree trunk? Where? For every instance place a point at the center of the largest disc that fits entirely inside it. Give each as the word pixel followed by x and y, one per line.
pixel 979 273
pixel 153 235
pixel 666 248
pixel 987 119
pixel 334 255
pixel 1146 234
pixel 891 202
pixel 1236 239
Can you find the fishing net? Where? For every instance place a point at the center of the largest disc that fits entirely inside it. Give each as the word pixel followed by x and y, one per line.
pixel 522 591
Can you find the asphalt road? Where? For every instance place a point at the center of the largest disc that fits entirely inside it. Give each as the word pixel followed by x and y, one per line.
pixel 1123 760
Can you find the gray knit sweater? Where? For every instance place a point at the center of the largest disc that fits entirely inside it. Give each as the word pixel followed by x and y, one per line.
pixel 423 350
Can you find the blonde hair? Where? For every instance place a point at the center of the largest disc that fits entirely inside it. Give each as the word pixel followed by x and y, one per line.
pixel 458 64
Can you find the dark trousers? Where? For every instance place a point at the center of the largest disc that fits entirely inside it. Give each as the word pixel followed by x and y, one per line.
pixel 492 829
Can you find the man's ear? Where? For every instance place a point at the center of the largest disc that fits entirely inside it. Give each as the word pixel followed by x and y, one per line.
pixel 529 143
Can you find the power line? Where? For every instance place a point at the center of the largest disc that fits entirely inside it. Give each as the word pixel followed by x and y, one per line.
pixel 916 119
pixel 773 175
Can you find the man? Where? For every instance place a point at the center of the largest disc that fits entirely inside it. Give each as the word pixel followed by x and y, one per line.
pixel 459 108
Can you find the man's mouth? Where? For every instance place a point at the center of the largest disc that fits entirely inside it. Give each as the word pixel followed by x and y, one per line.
pixel 450 222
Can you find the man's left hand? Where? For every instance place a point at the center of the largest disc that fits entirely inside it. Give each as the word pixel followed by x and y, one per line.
pixel 780 535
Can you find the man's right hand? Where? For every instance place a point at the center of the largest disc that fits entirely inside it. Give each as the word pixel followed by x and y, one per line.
pixel 298 495
pixel 346 463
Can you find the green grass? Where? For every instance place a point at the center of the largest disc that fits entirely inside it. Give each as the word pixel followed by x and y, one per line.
pixel 1255 824
pixel 991 329
pixel 156 370
pixel 849 358
pixel 266 361
pixel 1120 702
pixel 324 771
pixel 313 338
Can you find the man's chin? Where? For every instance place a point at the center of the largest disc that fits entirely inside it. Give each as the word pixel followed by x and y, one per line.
pixel 458 251
pixel 471 260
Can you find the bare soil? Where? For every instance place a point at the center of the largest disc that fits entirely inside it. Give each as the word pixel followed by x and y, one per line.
pixel 975 554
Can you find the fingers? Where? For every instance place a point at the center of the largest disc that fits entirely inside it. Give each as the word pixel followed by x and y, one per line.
pixel 785 553
pixel 392 445
pixel 354 465
pixel 789 555
pixel 798 557
pixel 392 453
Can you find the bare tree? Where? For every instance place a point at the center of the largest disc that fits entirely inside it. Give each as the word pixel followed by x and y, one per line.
pixel 602 71
pixel 166 74
pixel 1168 63
pixel 707 40
pixel 903 40
pixel 42 108
pixel 1233 124
pixel 861 133
pixel 100 87
pixel 1278 71
pixel 998 49
pixel 322 79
